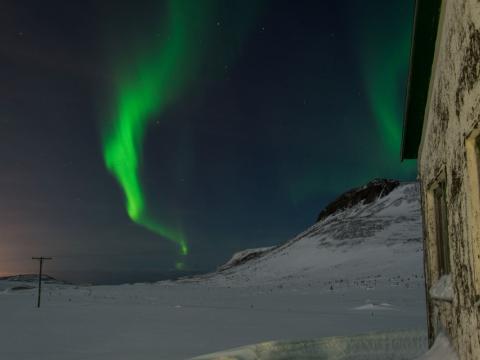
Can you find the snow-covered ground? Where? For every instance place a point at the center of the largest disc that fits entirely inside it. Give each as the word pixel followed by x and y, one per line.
pixel 441 350
pixel 356 271
pixel 400 345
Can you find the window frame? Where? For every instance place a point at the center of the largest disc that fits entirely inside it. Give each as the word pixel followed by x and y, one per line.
pixel 441 233
pixel 472 145
pixel 432 249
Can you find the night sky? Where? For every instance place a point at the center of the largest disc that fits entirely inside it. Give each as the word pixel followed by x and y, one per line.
pixel 139 137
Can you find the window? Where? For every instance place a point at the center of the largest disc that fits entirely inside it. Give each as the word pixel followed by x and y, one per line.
pixel 441 229
pixel 473 195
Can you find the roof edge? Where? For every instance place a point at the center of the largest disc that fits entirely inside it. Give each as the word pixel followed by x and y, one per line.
pixel 424 36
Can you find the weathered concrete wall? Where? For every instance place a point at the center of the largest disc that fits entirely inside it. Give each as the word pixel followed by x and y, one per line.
pixel 452 114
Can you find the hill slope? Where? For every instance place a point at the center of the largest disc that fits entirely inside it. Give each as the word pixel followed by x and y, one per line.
pixel 357 270
pixel 381 238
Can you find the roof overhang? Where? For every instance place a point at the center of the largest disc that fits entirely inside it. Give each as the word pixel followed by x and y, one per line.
pixel 427 14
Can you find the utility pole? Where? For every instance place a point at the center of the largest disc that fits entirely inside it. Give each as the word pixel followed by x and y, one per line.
pixel 40 259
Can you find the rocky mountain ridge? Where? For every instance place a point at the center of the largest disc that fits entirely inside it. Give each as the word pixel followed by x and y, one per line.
pixel 375 229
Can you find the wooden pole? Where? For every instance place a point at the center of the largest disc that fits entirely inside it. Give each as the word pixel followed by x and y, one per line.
pixel 40 259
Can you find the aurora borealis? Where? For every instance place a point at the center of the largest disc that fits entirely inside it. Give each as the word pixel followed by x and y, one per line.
pixel 384 57
pixel 144 88
pixel 145 131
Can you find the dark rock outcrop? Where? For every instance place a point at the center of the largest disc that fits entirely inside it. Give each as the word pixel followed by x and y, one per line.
pixel 366 194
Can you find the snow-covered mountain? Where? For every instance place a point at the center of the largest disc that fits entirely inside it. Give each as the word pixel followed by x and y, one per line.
pixel 31 278
pixel 369 232
pixel 355 271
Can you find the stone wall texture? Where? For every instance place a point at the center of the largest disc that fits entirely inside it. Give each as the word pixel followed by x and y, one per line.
pixel 452 117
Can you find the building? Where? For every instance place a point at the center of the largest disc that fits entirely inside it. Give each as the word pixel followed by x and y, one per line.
pixel 442 131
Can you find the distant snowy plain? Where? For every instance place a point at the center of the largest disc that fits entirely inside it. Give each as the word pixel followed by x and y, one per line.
pixel 357 271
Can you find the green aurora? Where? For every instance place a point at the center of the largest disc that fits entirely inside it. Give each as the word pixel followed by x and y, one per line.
pixel 384 68
pixel 155 74
pixel 384 49
pixel 144 87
